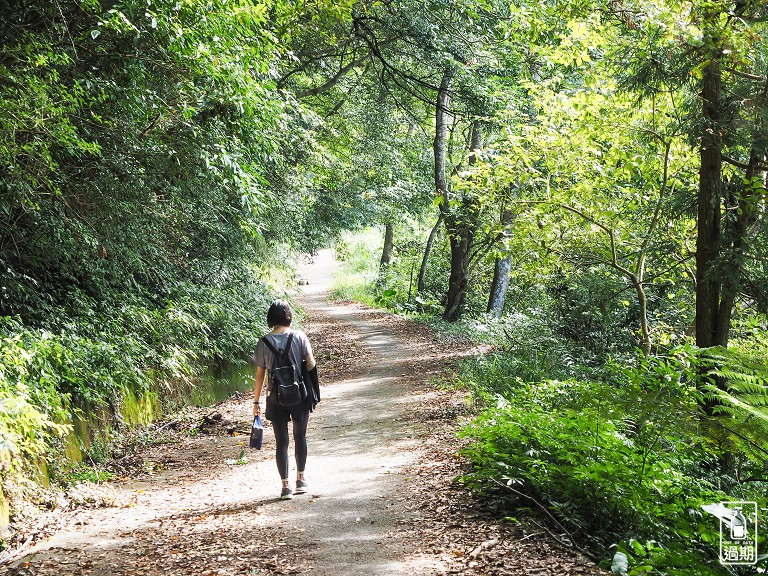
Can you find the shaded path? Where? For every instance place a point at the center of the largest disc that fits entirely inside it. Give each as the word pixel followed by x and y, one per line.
pixel 202 516
pixel 359 448
pixel 382 502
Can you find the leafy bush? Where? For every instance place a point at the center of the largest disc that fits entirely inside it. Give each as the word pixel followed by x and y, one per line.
pixel 617 462
pixel 47 379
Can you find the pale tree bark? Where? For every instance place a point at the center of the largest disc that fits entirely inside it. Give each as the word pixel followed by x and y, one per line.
pixel 501 270
pixel 642 300
pixel 503 265
pixel 499 286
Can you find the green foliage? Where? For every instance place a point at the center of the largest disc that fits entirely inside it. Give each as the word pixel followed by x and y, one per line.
pixel 159 159
pixel 532 353
pixel 33 410
pixel 140 169
pixel 618 460
pixel 737 390
pixel 586 311
pixel 47 379
pixel 618 452
pixel 83 473
pixel 157 194
pixel 359 256
pixel 393 286
pixel 117 370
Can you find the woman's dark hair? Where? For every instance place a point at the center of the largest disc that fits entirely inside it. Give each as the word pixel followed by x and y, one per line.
pixel 279 314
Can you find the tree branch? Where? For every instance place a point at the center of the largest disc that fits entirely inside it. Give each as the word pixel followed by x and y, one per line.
pixel 747 75
pixel 760 166
pixel 550 516
pixel 331 82
pixel 369 37
pixel 734 162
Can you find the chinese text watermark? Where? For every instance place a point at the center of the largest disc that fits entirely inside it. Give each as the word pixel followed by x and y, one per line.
pixel 738 533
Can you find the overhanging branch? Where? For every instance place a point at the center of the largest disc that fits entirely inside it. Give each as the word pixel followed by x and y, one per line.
pixel 331 82
pixel 761 166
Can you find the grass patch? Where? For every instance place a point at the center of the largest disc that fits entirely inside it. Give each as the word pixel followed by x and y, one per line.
pixel 86 473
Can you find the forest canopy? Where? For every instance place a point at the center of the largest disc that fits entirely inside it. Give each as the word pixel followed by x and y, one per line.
pixel 585 181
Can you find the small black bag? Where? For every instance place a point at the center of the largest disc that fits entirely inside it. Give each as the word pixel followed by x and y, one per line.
pixel 286 378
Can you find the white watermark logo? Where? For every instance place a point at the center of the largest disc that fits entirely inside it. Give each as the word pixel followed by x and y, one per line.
pixel 738 531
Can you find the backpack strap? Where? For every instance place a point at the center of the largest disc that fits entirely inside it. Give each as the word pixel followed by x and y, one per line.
pixel 274 350
pixel 269 345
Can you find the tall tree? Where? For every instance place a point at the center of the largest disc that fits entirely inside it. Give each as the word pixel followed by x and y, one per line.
pixel 720 45
pixel 502 267
pixel 461 214
pixel 499 285
pixel 727 208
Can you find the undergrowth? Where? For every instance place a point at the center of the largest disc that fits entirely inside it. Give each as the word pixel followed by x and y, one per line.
pixel 66 389
pixel 619 461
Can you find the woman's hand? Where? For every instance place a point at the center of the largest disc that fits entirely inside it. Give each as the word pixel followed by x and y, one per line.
pixel 256 409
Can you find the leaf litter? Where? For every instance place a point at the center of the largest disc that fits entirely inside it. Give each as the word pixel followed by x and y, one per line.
pixel 452 530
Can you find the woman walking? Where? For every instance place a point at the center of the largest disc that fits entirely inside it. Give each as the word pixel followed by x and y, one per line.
pixel 279 318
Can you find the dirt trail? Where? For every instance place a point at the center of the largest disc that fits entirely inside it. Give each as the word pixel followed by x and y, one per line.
pixel 359 448
pixel 381 501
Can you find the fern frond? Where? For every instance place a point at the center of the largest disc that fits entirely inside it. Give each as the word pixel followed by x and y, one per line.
pixel 737 435
pixel 738 396
pixel 754 406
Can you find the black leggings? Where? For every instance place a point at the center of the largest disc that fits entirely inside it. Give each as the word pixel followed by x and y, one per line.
pixel 300 421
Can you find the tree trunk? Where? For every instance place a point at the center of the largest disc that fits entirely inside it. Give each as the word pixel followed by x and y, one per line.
pixel 499 286
pixel 427 251
pixel 642 300
pixel 718 284
pixel 709 234
pixel 501 269
pixel 461 238
pixel 456 282
pixel 461 224
pixel 389 243
pixel 738 230
pixel 709 216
